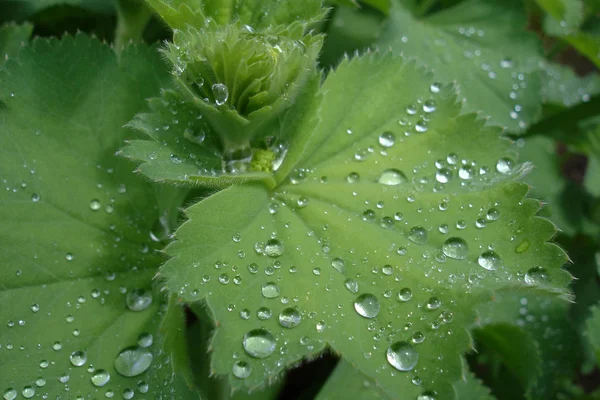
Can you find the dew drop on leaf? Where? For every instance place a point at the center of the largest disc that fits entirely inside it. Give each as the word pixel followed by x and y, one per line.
pixel 443 175
pixel 138 299
pixel 273 248
pixel 290 318
pixel 387 139
pixel 78 358
pixel 145 339
pixel 536 275
pixel 28 392
pixel 95 205
pixel 456 248
pixel 433 303
pixel 264 313
pixel 402 356
pixel 241 369
pixel 100 377
pixel 270 290
pixel 504 165
pixel 367 305
pixel 351 285
pixel 353 177
pixel 10 394
pixel 220 93
pixel 133 361
pixel 339 265
pixel 392 177
pixel 259 343
pixel 405 294
pixel 428 395
pixel 489 260
pixel 418 235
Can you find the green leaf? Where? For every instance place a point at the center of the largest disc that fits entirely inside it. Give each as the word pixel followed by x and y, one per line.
pixel 562 87
pixel 516 348
pixel 259 15
pixel 482 46
pixel 545 318
pixel 12 37
pixel 23 9
pixel 568 12
pixel 593 330
pixel 362 220
pixel 382 6
pixel 349 383
pixel 75 241
pixel 471 388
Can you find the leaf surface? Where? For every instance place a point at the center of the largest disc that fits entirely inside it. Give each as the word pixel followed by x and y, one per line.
pixel 484 48
pixel 593 330
pixel 12 37
pixel 390 220
pixel 77 252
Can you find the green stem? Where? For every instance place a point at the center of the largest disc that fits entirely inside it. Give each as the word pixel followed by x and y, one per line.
pixel 424 7
pixel 132 18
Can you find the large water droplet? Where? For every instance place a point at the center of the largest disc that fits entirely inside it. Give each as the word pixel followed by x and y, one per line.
pixel 339 265
pixel 95 205
pixel 433 303
pixel 504 165
pixel 28 392
pixel 489 260
pixel 133 361
pixel 405 294
pixel 78 358
pixel 10 394
pixel 351 285
pixel 220 93
pixel 270 290
pixel 264 313
pixel 241 369
pixel 536 275
pixel 290 318
pixel 402 356
pixel 273 248
pixel 367 305
pixel 259 343
pixel 418 235
pixel 428 395
pixel 138 299
pixel 392 177
pixel 456 248
pixel 100 377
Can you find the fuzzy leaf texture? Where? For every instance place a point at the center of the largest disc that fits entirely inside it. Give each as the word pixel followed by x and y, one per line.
pixel 482 46
pixel 76 255
pixel 391 217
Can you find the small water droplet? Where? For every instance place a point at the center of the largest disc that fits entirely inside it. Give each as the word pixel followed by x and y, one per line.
pixel 339 265
pixel 367 305
pixel 28 392
pixel 418 235
pixel 489 260
pixel 433 303
pixel 133 361
pixel 392 177
pixel 456 248
pixel 504 165
pixel 351 285
pixel 78 358
pixel 443 175
pixel 405 294
pixel 290 318
pixel 536 275
pixel 95 205
pixel 387 139
pixel 138 299
pixel 402 356
pixel 220 93
pixel 145 339
pixel 241 369
pixel 264 313
pixel 259 343
pixel 100 377
pixel 273 248
pixel 270 290
pixel 353 177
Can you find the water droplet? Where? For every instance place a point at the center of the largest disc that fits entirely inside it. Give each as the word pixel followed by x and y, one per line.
pixel 402 356
pixel 35 308
pixel 536 275
pixel 95 205
pixel 10 394
pixel 320 326
pixel 443 175
pixel 273 248
pixel 418 235
pixel 220 93
pixel 138 299
pixel 466 172
pixel 493 214
pixel 40 382
pixel 339 265
pixel 429 106
pixel 387 139
pixel 145 339
pixel 489 260
pixel 351 285
pixel 353 177
pixel 418 337
pixel 241 369
pixel 435 87
pixel 133 361
pixel 428 395
pixel 264 313
pixel 367 305
pixel 456 248
pixel 290 318
pixel 405 294
pixel 35 197
pixel 387 269
pixel 392 177
pixel 259 343
pixel 270 290
pixel 28 392
pixel 78 358
pixel 504 165
pixel 100 377
pixel 57 346
pixel 433 303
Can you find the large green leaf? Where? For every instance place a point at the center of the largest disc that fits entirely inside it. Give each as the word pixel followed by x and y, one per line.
pixel 79 230
pixel 593 330
pixel 482 46
pixel 12 37
pixel 562 87
pixel 390 220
